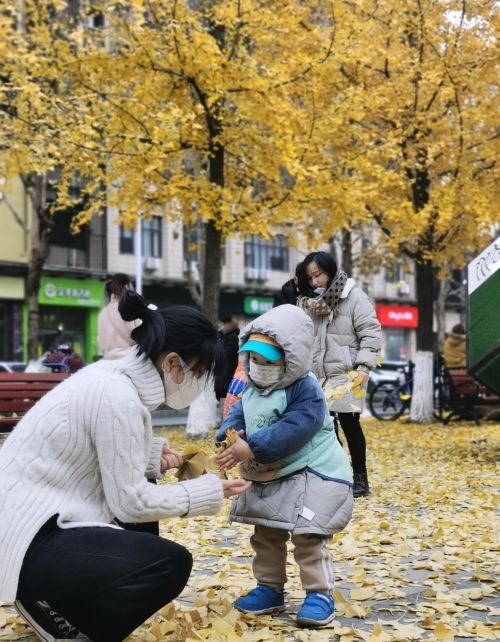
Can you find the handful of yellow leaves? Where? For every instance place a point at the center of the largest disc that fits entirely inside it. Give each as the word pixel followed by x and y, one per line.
pixel 197 462
pixel 354 385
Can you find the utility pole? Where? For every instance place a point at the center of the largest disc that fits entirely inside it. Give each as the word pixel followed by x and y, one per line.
pixel 138 256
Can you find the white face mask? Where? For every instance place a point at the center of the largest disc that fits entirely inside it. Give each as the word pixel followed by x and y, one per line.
pixel 265 376
pixel 319 291
pixel 180 395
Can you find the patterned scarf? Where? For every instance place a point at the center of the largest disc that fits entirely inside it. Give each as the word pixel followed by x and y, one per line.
pixel 328 301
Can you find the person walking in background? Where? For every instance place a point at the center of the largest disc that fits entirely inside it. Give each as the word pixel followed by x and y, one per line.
pixel 112 331
pixel 79 460
pixel 301 478
pixel 454 349
pixel 348 337
pixel 289 292
pixel 228 333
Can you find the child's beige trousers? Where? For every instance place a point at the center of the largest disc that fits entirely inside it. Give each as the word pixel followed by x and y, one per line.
pixel 311 554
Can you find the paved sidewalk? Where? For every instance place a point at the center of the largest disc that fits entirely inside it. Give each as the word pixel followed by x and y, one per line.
pixel 417 562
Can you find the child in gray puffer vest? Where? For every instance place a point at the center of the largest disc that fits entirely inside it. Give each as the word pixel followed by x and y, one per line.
pixel 285 444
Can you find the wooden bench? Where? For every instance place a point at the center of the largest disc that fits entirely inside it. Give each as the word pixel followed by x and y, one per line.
pixel 466 398
pixel 19 391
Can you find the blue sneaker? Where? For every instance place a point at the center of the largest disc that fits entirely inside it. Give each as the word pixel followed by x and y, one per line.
pixel 262 599
pixel 318 609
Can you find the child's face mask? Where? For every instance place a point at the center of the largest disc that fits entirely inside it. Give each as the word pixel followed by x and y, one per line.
pixel 180 395
pixel 265 376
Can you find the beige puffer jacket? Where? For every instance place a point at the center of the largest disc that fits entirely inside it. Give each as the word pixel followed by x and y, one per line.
pixel 350 340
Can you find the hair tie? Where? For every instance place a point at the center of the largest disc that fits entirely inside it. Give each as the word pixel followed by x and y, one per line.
pixel 152 306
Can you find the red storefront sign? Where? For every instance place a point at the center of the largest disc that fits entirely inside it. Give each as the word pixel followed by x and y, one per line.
pixel 398 316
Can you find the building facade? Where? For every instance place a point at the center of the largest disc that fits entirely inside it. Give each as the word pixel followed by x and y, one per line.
pixel 72 287
pixel 254 269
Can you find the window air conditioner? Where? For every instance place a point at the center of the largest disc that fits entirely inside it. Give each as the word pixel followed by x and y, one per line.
pixel 152 263
pixel 403 288
pixel 251 273
pixel 263 275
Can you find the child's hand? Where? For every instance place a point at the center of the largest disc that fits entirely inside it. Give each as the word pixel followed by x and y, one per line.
pixel 169 459
pixel 232 455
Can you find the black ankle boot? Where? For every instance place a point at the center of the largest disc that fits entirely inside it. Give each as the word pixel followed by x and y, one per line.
pixel 360 486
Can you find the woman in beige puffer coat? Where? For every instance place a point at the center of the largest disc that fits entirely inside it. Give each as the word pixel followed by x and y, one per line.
pixel 348 338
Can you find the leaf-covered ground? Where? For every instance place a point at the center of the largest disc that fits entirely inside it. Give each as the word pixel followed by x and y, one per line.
pixel 417 561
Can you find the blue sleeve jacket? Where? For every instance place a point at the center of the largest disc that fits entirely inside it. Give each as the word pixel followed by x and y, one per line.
pixel 281 423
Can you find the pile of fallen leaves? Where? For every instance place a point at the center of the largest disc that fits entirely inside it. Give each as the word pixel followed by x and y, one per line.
pixel 417 561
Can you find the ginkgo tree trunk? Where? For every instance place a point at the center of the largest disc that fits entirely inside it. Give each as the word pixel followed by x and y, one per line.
pixel 41 228
pixel 37 231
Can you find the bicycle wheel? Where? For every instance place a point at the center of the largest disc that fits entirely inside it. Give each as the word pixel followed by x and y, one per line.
pixel 388 401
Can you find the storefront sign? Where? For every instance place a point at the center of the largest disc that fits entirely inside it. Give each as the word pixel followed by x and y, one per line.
pixel 400 316
pixel 255 305
pixel 71 292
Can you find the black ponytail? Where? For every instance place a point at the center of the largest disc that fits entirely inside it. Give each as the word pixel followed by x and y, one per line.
pixel 176 328
pixel 150 334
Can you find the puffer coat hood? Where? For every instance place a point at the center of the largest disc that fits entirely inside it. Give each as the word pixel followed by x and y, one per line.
pixel 293 329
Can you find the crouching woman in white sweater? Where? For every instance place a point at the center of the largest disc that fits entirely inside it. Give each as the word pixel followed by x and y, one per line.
pixel 80 459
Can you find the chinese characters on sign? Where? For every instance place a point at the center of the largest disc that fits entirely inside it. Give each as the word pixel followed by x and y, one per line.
pixel 402 316
pixel 52 290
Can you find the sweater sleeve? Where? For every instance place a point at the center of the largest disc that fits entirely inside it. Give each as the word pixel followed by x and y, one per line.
pixel 122 441
pixel 153 468
pixel 301 420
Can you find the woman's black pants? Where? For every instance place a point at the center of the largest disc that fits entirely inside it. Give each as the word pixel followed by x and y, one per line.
pixel 351 427
pixel 104 581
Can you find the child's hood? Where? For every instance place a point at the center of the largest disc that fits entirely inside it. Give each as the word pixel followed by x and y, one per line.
pixel 293 329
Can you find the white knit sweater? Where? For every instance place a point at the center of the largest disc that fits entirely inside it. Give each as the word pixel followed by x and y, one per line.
pixel 82 452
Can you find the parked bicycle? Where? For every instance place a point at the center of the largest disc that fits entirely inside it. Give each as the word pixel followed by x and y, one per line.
pixel 389 400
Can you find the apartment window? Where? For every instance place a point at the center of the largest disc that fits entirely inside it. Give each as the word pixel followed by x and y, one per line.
pixel 126 240
pixel 395 272
pixel 61 234
pixel 151 238
pixel 192 240
pixel 266 254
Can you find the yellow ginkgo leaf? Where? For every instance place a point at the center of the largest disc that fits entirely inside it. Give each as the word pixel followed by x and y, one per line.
pixel 486 632
pixel 443 632
pixel 362 593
